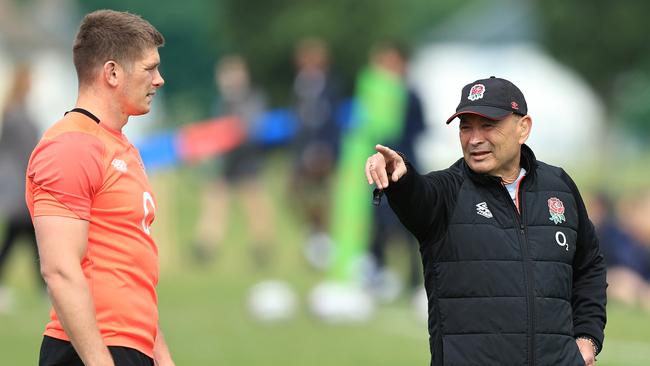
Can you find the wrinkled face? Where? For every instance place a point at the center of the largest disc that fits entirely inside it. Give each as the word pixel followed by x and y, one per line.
pixel 141 82
pixel 493 147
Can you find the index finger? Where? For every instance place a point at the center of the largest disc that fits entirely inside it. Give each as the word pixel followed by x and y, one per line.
pixel 386 151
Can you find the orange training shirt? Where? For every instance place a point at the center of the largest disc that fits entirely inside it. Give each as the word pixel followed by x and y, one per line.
pixel 83 169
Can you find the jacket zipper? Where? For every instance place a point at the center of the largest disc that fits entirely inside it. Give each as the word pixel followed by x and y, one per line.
pixel 528 275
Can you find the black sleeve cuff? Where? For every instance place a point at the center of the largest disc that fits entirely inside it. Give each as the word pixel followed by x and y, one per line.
pixel 598 345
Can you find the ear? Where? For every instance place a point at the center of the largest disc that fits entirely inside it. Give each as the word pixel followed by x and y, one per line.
pixel 525 125
pixel 111 73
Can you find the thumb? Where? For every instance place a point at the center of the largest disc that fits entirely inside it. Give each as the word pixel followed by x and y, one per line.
pixel 398 171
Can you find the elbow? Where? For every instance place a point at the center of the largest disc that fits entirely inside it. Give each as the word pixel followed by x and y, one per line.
pixel 55 274
pixel 49 274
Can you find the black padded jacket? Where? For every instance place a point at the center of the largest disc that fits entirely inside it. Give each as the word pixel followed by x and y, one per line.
pixel 505 286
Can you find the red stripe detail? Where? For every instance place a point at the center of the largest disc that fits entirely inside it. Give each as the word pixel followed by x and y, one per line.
pixel 517 194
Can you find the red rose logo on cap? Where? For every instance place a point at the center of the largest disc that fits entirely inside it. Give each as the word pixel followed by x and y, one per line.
pixel 556 209
pixel 476 92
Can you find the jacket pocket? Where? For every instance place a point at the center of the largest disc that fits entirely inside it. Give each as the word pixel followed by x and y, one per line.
pixel 579 360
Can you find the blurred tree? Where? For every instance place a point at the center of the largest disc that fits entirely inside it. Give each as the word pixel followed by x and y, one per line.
pixel 605 41
pixel 187 59
pixel 631 96
pixel 265 32
pixel 599 38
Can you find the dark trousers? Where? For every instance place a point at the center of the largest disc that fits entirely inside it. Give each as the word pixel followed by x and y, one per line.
pixel 56 352
pixel 385 226
pixel 14 229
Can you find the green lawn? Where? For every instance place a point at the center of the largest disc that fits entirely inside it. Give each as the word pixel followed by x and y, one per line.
pixel 204 316
pixel 203 310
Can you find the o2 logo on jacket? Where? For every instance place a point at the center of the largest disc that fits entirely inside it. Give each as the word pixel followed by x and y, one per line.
pixel 560 239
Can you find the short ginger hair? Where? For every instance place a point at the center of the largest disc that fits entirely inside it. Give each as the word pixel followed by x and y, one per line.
pixel 111 35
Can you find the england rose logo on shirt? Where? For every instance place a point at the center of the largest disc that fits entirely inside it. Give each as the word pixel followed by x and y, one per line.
pixel 556 209
pixel 119 165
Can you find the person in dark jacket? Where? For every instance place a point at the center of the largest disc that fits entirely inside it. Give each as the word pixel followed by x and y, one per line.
pixel 18 136
pixel 512 265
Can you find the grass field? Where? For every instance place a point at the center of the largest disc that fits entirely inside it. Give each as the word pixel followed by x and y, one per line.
pixel 203 309
pixel 204 316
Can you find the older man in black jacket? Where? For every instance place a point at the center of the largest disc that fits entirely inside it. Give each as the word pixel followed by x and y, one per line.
pixel 512 267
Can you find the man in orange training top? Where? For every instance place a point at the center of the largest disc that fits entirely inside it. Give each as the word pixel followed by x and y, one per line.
pixel 92 205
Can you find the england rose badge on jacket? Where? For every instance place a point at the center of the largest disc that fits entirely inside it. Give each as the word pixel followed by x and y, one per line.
pixel 556 209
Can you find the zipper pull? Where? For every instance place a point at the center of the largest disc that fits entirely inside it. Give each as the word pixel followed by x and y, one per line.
pixel 376 196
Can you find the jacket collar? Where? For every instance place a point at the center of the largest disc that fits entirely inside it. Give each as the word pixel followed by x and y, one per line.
pixel 528 162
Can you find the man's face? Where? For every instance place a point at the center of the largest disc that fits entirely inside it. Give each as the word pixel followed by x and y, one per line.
pixel 493 147
pixel 142 79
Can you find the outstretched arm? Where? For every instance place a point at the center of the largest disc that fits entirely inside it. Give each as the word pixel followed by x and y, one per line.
pixel 418 201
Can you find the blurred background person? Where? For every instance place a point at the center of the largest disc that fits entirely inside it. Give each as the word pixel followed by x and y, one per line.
pixel 386 228
pixel 18 136
pixel 239 171
pixel 315 98
pixel 378 113
pixel 621 231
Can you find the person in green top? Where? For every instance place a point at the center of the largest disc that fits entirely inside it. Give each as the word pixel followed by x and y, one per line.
pixel 378 115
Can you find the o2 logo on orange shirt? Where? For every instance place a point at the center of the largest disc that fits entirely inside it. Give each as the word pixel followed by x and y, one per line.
pixel 147 201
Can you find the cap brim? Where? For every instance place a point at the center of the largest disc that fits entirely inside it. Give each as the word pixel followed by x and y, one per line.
pixel 488 112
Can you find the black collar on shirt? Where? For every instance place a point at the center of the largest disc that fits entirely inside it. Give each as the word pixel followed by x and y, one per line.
pixel 84 112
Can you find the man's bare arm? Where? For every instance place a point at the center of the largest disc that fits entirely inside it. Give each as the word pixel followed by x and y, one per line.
pixel 161 354
pixel 62 243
